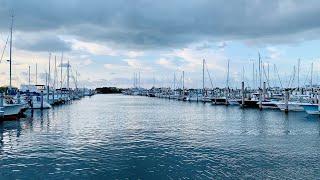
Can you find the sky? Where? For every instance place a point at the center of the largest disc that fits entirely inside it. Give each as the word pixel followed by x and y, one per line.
pixel 108 41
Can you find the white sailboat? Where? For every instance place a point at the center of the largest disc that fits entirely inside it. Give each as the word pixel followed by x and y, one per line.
pixel 10 108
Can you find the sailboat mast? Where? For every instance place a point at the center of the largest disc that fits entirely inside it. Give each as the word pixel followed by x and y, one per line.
pixel 253 75
pixel 203 77
pixel 260 81
pixel 29 75
pixel 55 72
pixel 61 63
pixel 139 80
pixel 49 70
pixel 298 73
pixel 228 71
pixel 10 52
pixel 183 81
pixel 311 75
pixel 68 75
pixel 174 81
pixel 36 73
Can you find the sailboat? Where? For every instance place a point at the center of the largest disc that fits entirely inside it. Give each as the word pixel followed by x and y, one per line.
pixel 11 107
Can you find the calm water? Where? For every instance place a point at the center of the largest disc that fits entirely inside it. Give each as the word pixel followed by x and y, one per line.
pixel 115 136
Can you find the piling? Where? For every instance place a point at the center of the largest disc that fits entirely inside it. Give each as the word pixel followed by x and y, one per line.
pixel 260 99
pixel 1 105
pixel 227 96
pixel 1 99
pixel 48 93
pixel 318 93
pixel 264 91
pixel 242 94
pixel 53 97
pixel 41 106
pixel 19 97
pixel 286 110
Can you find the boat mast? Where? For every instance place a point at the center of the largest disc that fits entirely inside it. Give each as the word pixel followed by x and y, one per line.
pixel 298 73
pixel 68 75
pixel 311 74
pixel 228 72
pixel 29 75
pixel 139 81
pixel 260 80
pixel 55 72
pixel 253 75
pixel 203 93
pixel 49 70
pixel 61 71
pixel 36 73
pixel 183 81
pixel 10 52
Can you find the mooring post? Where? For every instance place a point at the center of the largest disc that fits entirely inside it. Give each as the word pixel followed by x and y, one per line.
pixel 286 110
pixel 1 99
pixel 264 91
pixel 318 93
pixel 19 97
pixel 48 94
pixel 53 97
pixel 260 99
pixel 242 92
pixel 1 106
pixel 41 105
pixel 215 96
pixel 227 96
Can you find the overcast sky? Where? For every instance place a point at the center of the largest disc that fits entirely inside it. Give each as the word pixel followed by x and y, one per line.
pixel 107 41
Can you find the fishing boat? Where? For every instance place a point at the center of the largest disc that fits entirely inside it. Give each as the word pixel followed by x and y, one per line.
pixel 312 109
pixel 233 102
pixel 292 106
pixel 12 110
pixel 219 101
pixel 36 103
pixel 268 105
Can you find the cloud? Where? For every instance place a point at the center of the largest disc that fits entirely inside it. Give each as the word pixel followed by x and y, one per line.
pixel 165 63
pixel 165 23
pixel 43 43
pixel 274 53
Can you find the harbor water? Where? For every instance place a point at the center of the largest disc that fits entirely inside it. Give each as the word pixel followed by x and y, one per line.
pixel 118 137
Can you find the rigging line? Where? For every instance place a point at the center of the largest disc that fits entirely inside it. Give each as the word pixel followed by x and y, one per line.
pixel 305 82
pixel 265 75
pixel 4 48
pixel 276 69
pixel 208 74
pixel 291 79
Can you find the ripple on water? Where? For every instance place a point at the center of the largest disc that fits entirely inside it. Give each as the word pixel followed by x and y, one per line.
pixel 115 136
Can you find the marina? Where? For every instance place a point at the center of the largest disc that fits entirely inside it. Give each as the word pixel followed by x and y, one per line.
pixel 304 98
pixel 162 90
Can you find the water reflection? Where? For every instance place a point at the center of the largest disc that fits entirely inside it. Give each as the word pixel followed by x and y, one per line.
pixel 118 137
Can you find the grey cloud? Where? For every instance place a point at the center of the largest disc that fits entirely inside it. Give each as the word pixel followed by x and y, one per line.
pixel 44 43
pixel 161 24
